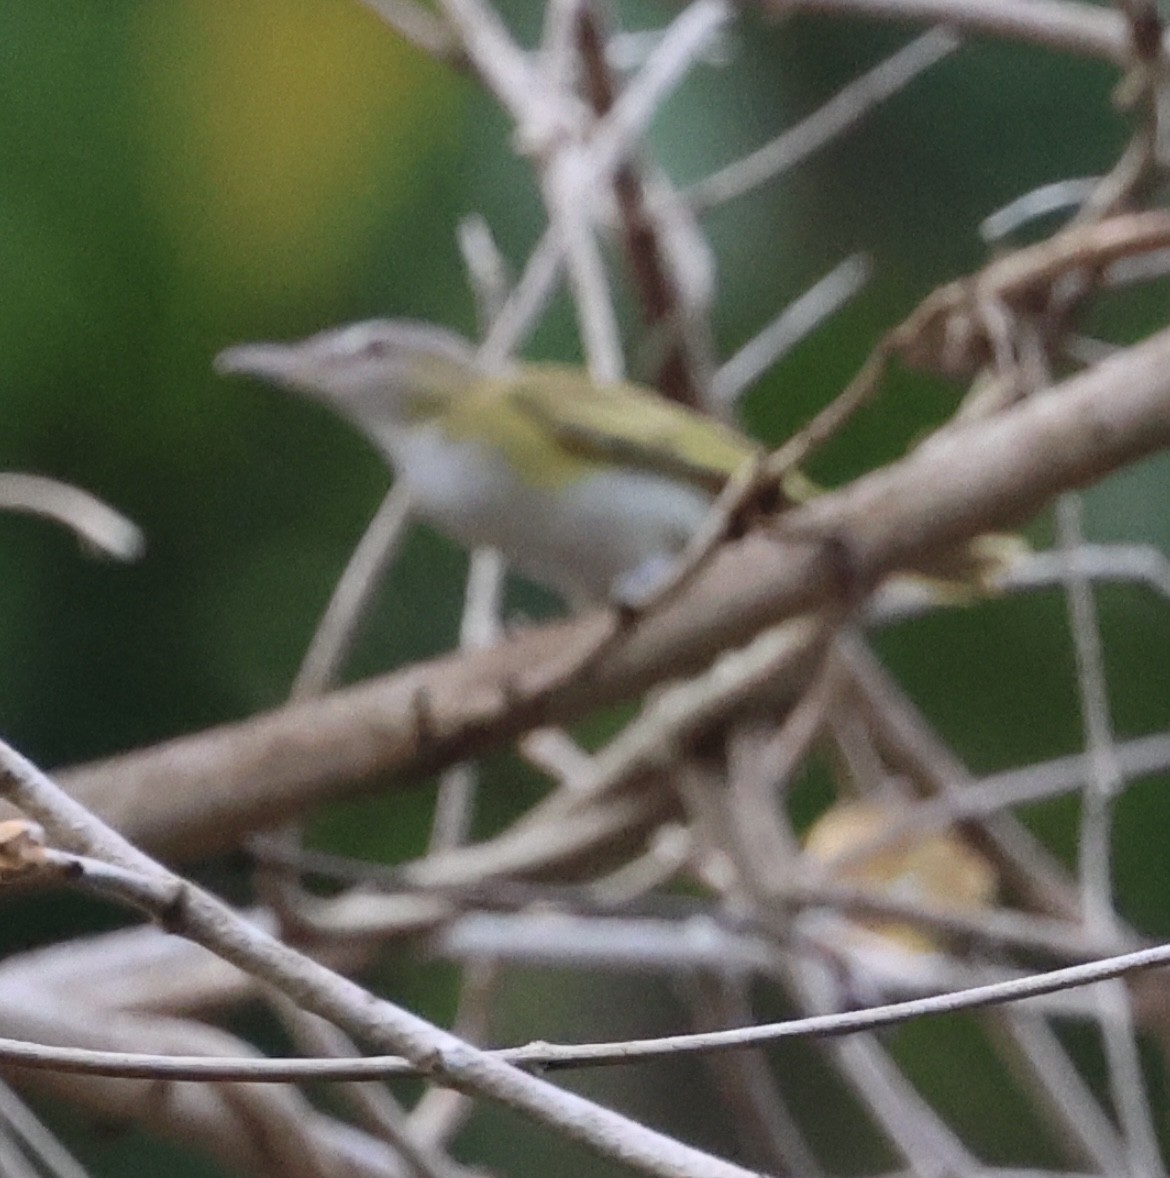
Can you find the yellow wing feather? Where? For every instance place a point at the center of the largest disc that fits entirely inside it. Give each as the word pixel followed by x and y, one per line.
pixel 629 425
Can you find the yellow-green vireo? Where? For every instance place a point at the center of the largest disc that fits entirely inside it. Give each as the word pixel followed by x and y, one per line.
pixel 590 489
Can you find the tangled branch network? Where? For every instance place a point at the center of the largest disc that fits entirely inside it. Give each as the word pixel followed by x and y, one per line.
pixel 776 826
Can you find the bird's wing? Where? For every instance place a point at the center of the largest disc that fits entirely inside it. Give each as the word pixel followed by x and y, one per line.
pixel 629 425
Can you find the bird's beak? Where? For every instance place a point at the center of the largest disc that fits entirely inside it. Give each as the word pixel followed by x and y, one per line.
pixel 281 364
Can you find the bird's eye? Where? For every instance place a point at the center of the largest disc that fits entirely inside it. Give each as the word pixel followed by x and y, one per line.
pixel 374 348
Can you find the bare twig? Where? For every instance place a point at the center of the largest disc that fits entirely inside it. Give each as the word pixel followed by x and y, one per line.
pixel 480 627
pixel 792 325
pixel 487 269
pixel 96 524
pixel 441 1056
pixel 1033 1048
pixel 631 113
pixel 748 1084
pixel 526 301
pixel 440 1111
pixel 418 26
pixel 505 70
pixel 23 1125
pixel 374 1106
pixel 1103 783
pixel 352 597
pixel 843 111
pixel 1039 202
pixel 569 185
pixel 1063 26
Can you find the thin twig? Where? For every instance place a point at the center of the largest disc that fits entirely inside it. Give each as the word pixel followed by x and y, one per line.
pixel 801 317
pixel 441 1111
pixel 926 1143
pixel 1085 1131
pixel 748 1084
pixel 1038 202
pixel 96 524
pixel 13 1163
pixel 373 1105
pixel 23 1123
pixel 547 1056
pixel 1103 783
pixel 480 627
pixel 443 1057
pixel 526 302
pixel 421 28
pixel 504 69
pixel 569 185
pixel 487 269
pixel 1062 26
pixel 353 596
pixel 843 111
pixel 681 45
pixel 329 648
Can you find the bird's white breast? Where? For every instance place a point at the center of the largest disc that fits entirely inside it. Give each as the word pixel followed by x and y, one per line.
pixel 578 538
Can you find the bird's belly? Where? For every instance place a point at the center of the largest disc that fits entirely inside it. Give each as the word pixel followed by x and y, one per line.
pixel 577 538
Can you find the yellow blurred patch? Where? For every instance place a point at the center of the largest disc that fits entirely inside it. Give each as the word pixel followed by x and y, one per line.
pixel 281 133
pixel 938 868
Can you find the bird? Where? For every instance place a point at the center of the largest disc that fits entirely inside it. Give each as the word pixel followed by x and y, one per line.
pixel 593 489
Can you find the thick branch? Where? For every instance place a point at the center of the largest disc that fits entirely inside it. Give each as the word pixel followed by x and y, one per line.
pixel 201 792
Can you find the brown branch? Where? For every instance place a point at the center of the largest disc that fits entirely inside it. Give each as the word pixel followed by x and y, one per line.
pixel 656 288
pixel 201 792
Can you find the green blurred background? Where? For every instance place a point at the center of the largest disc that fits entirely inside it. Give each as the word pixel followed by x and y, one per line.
pixel 183 175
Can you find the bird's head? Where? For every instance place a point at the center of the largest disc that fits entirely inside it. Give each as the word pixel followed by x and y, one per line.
pixel 381 374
